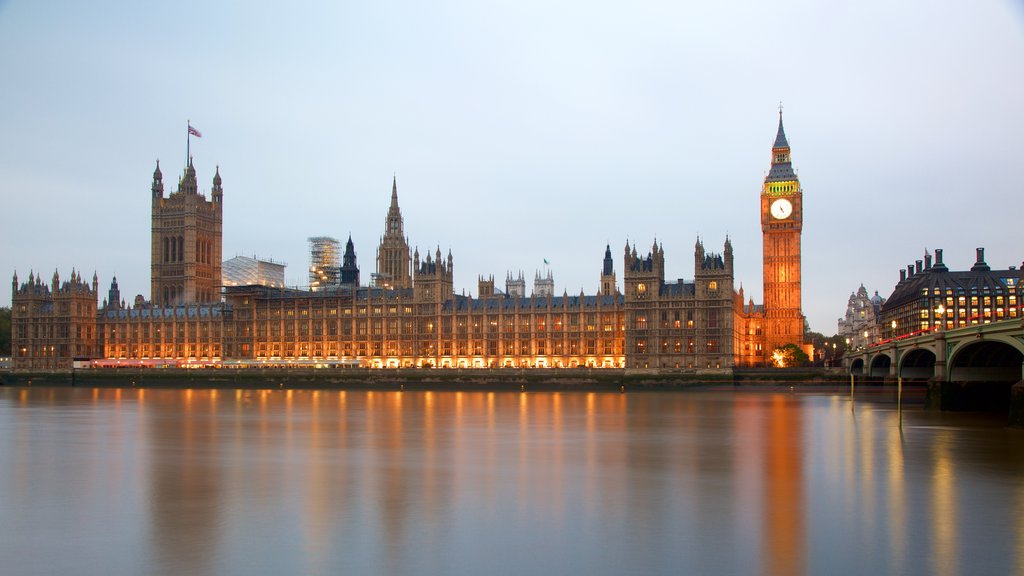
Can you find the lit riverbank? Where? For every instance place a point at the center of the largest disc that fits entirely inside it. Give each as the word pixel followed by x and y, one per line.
pixel 419 379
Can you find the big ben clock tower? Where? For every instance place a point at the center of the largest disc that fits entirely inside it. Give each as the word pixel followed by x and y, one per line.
pixel 781 223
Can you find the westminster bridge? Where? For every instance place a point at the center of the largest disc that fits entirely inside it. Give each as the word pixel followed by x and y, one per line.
pixel 977 367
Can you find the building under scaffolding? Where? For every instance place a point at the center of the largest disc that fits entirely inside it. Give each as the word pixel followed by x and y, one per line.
pixel 324 271
pixel 245 271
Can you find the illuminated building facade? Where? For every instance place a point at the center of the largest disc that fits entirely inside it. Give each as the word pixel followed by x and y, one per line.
pixel 679 324
pixel 410 316
pixel 781 226
pixel 931 297
pixel 52 325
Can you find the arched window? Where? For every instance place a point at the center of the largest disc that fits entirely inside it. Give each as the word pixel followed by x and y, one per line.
pixel 181 249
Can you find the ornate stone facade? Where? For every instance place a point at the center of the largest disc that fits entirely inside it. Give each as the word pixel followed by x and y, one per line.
pixel 186 241
pixel 52 325
pixel 781 226
pixel 860 326
pixel 411 316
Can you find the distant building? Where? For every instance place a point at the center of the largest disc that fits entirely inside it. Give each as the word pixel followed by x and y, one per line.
pixel 324 272
pixel 245 271
pixel 931 296
pixel 860 327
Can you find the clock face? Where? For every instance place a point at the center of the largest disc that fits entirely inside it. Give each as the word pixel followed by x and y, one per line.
pixel 781 209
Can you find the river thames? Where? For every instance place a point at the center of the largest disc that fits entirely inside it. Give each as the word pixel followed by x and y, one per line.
pixel 367 482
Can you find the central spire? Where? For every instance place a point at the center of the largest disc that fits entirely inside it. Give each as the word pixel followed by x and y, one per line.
pixel 393 222
pixel 780 137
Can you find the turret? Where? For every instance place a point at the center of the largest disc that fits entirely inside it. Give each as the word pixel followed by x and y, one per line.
pixel 114 295
pixel 349 268
pixel 158 182
pixel 189 184
pixel 607 284
pixel 217 192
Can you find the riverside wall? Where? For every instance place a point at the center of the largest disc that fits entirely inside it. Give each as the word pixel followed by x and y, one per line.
pixel 583 379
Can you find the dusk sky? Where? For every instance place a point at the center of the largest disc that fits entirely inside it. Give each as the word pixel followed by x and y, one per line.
pixel 518 131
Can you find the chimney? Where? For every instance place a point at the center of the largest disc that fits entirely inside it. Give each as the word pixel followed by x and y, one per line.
pixel 927 260
pixel 980 265
pixel 917 266
pixel 938 256
pixel 910 270
pixel 903 275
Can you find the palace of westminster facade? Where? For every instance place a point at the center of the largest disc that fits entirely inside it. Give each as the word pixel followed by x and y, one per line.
pixel 410 315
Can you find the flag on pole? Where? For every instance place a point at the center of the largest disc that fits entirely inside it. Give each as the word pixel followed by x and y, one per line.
pixel 194 132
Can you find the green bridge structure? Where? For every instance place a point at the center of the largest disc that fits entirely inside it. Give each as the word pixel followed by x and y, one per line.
pixel 977 367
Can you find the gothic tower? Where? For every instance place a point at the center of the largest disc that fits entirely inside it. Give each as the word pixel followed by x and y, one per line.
pixel 393 264
pixel 781 225
pixel 349 268
pixel 608 287
pixel 186 241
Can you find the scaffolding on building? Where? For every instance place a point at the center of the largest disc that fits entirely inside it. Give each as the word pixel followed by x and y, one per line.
pixel 324 271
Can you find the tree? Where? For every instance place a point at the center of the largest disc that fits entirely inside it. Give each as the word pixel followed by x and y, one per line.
pixel 5 331
pixel 789 355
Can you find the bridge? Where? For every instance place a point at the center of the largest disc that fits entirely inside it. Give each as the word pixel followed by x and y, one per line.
pixel 977 367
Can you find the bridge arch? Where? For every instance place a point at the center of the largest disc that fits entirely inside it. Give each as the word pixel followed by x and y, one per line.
pixel 917 363
pixel 981 374
pixel 857 367
pixel 881 365
pixel 988 360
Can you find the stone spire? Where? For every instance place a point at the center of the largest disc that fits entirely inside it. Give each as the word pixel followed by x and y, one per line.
pixel 158 182
pixel 780 137
pixel 782 164
pixel 188 183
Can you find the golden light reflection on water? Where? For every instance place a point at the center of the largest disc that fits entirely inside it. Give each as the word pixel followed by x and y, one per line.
pixel 397 479
pixel 943 504
pixel 897 499
pixel 1019 526
pixel 785 529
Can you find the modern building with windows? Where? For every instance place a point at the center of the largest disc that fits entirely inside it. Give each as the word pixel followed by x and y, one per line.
pixel 930 296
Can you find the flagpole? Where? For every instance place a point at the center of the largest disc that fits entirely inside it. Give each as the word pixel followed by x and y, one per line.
pixel 188 141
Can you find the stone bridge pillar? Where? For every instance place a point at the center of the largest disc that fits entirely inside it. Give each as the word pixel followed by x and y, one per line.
pixel 894 362
pixel 940 356
pixel 933 398
pixel 1017 401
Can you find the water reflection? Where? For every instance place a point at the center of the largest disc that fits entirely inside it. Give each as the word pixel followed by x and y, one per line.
pixel 320 482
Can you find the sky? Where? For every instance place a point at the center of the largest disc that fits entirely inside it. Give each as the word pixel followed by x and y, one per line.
pixel 518 132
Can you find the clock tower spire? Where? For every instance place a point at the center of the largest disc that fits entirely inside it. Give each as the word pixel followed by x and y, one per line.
pixel 781 226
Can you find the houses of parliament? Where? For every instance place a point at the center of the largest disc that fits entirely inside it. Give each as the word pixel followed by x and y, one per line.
pixel 409 314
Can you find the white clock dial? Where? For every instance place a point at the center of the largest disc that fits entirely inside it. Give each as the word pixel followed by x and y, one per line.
pixel 781 209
